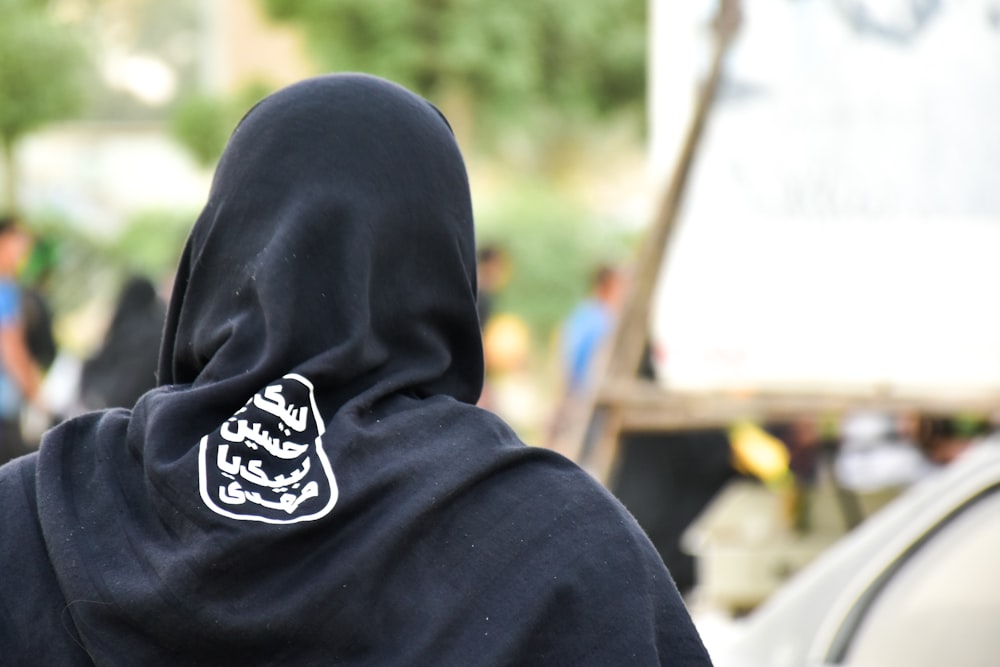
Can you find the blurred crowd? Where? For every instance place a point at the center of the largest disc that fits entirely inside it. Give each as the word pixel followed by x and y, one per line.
pixel 666 479
pixel 860 459
pixel 41 383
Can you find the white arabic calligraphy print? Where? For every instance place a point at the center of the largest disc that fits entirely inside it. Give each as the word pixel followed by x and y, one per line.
pixel 266 463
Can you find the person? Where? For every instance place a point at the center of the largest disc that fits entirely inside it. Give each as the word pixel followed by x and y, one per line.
pixel 311 483
pixel 38 318
pixel 124 367
pixel 19 375
pixel 492 274
pixel 877 452
pixel 582 337
pixel 589 325
pixel 667 479
pixel 38 327
pixel 944 438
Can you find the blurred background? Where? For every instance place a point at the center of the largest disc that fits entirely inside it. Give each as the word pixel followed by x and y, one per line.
pixel 114 112
pixel 719 241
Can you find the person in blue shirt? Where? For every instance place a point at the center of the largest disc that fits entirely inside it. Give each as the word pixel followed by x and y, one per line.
pixel 19 376
pixel 590 323
pixel 583 337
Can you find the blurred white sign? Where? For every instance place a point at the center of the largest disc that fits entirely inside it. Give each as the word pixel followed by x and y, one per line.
pixel 842 222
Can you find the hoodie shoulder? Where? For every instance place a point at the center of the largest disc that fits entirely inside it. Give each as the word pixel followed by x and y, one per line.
pixel 35 628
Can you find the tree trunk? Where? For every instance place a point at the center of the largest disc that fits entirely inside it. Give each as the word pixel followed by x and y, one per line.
pixel 10 175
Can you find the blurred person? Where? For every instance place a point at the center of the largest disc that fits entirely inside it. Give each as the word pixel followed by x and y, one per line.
pixel 492 269
pixel 666 479
pixel 37 319
pixel 942 439
pixel 124 367
pixel 582 337
pixel 492 273
pixel 35 281
pixel 876 454
pixel 20 377
pixel 884 451
pixel 311 483
pixel 588 326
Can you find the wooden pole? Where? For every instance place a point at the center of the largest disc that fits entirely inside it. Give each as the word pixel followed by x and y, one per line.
pixel 598 429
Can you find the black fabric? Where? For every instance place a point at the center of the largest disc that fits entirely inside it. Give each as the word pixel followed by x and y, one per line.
pixel 312 483
pixel 666 480
pixel 39 336
pixel 12 442
pixel 124 367
pixel 36 627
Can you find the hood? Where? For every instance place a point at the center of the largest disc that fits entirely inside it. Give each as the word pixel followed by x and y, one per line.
pixel 319 364
pixel 333 197
pixel 312 483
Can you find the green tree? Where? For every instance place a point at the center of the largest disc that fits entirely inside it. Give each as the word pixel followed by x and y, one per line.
pixel 43 70
pixel 503 60
pixel 202 123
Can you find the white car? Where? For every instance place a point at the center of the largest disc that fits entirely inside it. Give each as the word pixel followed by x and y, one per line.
pixel 917 584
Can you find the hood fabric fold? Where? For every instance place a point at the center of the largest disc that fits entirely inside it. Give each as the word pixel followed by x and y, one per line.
pixel 311 483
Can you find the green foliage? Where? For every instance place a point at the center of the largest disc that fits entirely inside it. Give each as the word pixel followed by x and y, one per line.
pixel 88 267
pixel 151 242
pixel 43 78
pixel 202 123
pixel 43 70
pixel 563 57
pixel 553 245
pixel 81 269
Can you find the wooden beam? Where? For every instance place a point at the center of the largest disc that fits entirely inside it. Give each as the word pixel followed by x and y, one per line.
pixel 632 332
pixel 646 406
pixel 598 431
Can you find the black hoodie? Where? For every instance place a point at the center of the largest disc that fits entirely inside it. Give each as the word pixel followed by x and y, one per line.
pixel 311 483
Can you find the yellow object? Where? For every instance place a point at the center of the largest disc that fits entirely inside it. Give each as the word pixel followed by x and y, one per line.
pixel 506 343
pixel 757 452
